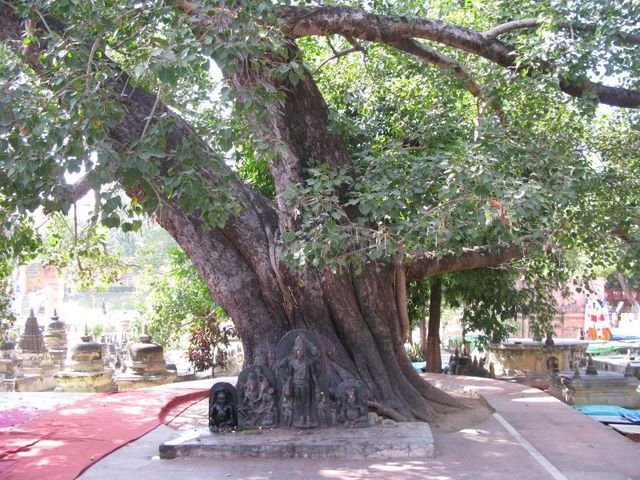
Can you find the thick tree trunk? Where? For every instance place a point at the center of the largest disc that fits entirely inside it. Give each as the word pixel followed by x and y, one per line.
pixel 433 357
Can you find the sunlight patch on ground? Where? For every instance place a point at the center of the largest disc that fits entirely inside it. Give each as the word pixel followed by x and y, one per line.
pixel 543 399
pixel 408 469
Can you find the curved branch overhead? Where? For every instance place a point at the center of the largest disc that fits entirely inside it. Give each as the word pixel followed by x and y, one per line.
pixel 525 23
pixel 400 32
pixel 397 30
pixel 429 264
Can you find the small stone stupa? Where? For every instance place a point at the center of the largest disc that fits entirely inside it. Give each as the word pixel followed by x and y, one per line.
pixel 85 370
pixel 55 339
pixel 32 341
pixel 36 362
pixel 145 366
pixel 10 365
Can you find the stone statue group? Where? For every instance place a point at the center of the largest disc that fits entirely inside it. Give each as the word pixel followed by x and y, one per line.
pixel 295 396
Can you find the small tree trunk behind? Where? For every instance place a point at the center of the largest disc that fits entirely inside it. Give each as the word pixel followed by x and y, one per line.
pixel 433 357
pixel 626 291
pixel 423 336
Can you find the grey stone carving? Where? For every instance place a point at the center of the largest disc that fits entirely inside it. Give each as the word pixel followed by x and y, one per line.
pixel 296 396
pixel 301 376
pixel 257 398
pixel 352 411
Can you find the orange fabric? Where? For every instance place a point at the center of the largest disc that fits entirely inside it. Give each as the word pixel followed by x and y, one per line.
pixel 62 444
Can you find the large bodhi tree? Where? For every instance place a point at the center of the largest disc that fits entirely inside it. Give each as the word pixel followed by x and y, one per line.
pixel 346 149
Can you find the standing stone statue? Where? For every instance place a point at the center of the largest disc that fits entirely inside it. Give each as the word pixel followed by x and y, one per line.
pixel 222 408
pixel 300 372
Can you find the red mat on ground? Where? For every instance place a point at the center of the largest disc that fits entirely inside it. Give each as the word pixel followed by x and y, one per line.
pixel 62 444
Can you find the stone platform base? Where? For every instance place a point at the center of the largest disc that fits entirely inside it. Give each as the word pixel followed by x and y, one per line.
pixel 99 382
pixel 406 441
pixel 35 383
pixel 126 381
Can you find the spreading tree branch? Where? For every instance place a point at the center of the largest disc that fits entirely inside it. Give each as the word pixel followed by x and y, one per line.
pixel 387 29
pixel 429 264
pixel 503 28
pixel 525 23
pixel 430 55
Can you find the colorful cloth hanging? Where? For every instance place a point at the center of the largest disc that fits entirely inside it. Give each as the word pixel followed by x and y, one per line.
pixel 597 323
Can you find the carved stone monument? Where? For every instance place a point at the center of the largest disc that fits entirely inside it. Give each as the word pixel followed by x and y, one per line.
pixel 85 371
pixel 223 401
pixel 301 378
pixel 257 398
pixel 297 396
pixel 55 340
pixel 145 367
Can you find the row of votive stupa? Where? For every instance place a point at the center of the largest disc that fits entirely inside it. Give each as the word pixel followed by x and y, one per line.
pixel 43 362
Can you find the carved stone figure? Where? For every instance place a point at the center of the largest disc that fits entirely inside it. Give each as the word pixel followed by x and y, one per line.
pixel 266 402
pixel 325 419
pixel 286 409
pixel 222 408
pixel 257 397
pixel 299 372
pixel 352 411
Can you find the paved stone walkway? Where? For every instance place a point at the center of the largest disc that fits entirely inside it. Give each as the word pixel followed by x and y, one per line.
pixel 530 436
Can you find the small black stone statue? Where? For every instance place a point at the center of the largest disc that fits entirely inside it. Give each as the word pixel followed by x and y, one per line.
pixel 222 408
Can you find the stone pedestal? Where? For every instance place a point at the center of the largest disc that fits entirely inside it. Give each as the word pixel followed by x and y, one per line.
pixel 146 366
pixel 402 441
pixel 603 388
pixel 55 340
pixel 85 371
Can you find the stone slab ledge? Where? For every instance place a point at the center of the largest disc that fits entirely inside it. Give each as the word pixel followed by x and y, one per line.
pixel 406 441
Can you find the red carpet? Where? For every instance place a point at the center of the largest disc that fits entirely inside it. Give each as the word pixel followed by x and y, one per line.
pixel 62 444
